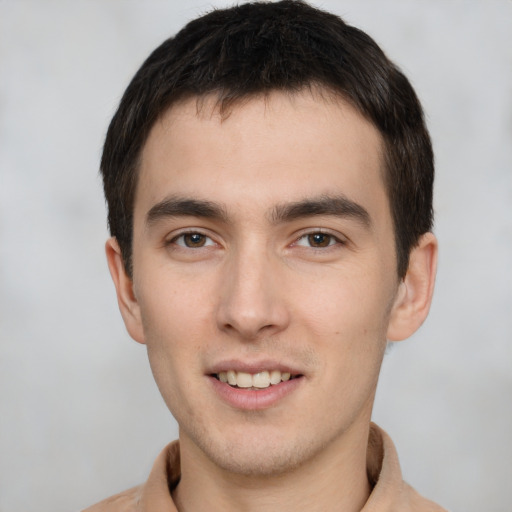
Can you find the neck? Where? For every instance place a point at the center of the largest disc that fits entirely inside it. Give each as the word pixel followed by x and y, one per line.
pixel 334 479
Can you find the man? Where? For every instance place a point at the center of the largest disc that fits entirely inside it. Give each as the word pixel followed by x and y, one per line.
pixel 269 182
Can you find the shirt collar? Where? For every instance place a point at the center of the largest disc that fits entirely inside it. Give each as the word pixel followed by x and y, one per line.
pixel 384 475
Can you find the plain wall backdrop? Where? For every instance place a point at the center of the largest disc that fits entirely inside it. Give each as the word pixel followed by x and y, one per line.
pixel 80 416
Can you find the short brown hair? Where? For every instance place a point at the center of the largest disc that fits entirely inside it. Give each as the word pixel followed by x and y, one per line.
pixel 261 47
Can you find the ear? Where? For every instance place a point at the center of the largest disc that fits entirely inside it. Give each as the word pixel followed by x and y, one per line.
pixel 128 305
pixel 414 296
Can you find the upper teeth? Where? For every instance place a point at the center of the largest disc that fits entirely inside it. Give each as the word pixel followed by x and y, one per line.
pixel 256 380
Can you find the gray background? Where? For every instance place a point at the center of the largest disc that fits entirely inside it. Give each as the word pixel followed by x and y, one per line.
pixel 80 417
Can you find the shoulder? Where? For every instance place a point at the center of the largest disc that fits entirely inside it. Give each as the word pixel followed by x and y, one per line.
pixel 390 491
pixel 417 503
pixel 127 501
pixel 152 495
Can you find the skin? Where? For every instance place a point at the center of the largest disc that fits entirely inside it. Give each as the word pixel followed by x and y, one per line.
pixel 257 285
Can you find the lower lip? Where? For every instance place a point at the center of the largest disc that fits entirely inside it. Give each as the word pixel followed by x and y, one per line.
pixel 251 399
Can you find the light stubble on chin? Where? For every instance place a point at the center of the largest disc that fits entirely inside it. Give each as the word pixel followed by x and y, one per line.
pixel 246 459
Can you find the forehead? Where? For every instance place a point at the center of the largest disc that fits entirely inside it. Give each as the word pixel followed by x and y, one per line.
pixel 267 149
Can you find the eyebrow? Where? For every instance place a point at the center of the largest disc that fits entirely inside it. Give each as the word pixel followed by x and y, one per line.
pixel 185 207
pixel 339 206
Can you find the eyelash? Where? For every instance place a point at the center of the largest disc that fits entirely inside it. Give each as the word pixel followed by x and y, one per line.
pixel 208 241
pixel 174 241
pixel 333 240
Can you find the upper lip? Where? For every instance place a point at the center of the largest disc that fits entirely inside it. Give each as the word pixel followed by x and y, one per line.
pixel 253 367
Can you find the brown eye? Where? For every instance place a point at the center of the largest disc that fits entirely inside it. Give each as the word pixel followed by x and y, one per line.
pixel 320 240
pixel 193 240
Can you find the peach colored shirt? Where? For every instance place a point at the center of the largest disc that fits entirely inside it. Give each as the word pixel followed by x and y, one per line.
pixel 390 493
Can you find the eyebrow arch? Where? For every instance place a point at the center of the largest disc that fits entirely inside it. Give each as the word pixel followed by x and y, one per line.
pixel 185 207
pixel 339 206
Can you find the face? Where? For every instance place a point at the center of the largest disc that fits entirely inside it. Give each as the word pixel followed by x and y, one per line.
pixel 263 254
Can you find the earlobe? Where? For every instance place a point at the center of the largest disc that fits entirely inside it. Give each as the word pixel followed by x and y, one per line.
pixel 414 296
pixel 128 304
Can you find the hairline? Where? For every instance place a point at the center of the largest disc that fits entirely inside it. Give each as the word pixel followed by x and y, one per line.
pixel 225 105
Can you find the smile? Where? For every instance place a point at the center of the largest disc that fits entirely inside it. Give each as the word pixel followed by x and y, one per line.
pixel 254 388
pixel 258 380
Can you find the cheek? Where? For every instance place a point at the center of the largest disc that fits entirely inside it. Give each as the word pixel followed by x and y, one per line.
pixel 348 326
pixel 348 320
pixel 352 306
pixel 176 322
pixel 171 348
pixel 173 305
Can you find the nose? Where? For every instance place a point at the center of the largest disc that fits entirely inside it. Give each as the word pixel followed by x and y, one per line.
pixel 252 296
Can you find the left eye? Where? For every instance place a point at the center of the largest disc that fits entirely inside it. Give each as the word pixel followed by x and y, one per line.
pixel 317 240
pixel 193 240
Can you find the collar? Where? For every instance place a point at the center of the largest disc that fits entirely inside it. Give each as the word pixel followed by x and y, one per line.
pixel 389 494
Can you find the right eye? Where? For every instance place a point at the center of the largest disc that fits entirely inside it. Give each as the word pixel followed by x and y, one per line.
pixel 193 240
pixel 317 240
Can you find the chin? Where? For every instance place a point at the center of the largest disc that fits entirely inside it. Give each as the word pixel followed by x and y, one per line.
pixel 254 455
pixel 260 462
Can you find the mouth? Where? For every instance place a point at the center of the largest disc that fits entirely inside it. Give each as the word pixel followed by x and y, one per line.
pixel 254 381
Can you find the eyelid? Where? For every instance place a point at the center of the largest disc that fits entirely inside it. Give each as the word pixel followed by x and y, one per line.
pixel 172 240
pixel 337 237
